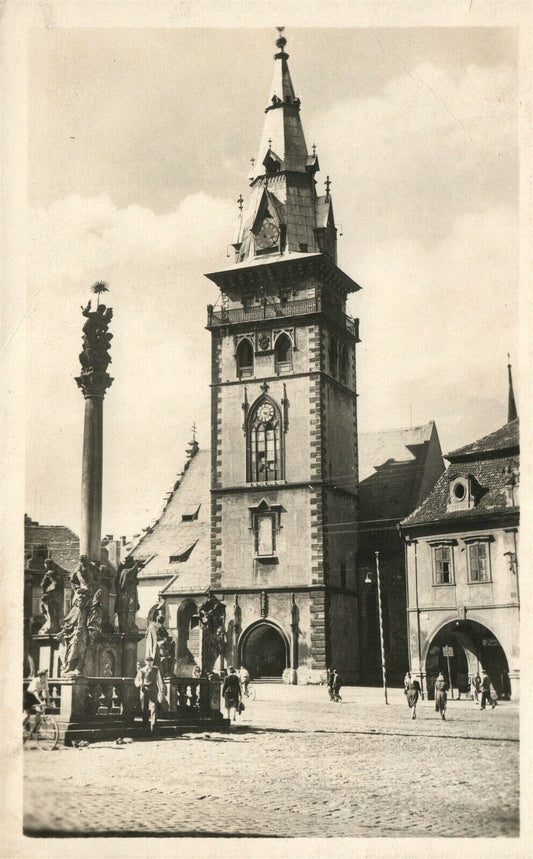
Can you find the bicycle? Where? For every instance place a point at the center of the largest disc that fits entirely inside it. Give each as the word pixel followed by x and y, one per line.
pixel 250 693
pixel 45 733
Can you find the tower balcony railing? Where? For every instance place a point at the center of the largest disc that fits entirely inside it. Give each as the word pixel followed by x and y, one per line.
pixel 272 309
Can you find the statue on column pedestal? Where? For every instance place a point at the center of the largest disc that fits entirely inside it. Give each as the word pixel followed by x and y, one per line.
pixel 212 617
pixel 52 598
pixel 127 602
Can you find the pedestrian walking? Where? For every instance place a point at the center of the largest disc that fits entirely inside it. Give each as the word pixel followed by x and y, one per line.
pixel 475 686
pixel 152 691
pixel 406 680
pixel 244 675
pixel 413 692
pixel 486 687
pixel 334 685
pixel 231 692
pixel 441 697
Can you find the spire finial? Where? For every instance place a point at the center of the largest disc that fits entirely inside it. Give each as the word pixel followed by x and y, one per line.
pixel 327 183
pixel 314 149
pixel 282 41
pixel 512 413
pixel 194 429
pixel 240 202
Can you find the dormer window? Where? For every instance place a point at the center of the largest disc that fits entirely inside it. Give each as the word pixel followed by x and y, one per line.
pixel 462 494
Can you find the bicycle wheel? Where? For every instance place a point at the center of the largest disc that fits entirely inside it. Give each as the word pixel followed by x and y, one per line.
pixel 251 693
pixel 47 734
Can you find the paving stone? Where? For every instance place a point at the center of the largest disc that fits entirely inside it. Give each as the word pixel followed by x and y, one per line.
pixel 295 764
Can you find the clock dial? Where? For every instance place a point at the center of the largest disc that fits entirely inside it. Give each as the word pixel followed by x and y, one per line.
pixel 265 412
pixel 267 236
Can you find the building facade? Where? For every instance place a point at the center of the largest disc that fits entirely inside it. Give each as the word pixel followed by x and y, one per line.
pixel 397 470
pixel 463 571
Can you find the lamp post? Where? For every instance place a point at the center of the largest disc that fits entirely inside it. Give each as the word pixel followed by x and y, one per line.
pixel 368 581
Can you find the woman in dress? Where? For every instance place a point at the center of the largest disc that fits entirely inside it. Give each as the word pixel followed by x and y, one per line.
pixel 231 690
pixel 412 691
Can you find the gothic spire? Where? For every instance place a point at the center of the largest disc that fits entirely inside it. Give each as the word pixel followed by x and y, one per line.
pixel 512 413
pixel 282 144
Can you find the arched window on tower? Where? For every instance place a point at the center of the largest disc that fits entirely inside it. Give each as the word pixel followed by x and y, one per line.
pixel 264 443
pixel 245 359
pixel 283 354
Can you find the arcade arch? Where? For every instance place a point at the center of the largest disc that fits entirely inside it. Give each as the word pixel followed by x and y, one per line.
pixel 264 650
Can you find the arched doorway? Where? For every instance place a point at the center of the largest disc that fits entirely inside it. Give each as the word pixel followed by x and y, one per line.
pixel 264 651
pixel 462 648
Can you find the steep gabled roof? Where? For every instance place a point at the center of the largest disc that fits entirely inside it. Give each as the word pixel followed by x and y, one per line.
pixel 505 439
pixel 182 532
pixel 397 468
pixel 63 544
pixel 488 462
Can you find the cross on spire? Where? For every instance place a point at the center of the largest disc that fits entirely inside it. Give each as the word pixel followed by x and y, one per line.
pixel 270 142
pixel 327 183
pixel 240 201
pixel 314 149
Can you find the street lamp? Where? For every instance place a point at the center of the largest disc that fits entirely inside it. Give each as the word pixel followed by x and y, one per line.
pixel 368 581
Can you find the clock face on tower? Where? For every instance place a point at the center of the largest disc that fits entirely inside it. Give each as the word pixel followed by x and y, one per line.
pixel 265 412
pixel 267 236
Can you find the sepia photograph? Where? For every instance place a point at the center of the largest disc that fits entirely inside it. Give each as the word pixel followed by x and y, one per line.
pixel 272 361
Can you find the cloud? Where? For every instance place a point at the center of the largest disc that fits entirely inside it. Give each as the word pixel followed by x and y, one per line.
pixel 160 350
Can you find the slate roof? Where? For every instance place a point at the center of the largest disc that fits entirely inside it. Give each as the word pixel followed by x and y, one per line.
pixel 62 543
pixel 486 461
pixel 394 469
pixel 504 439
pixel 172 536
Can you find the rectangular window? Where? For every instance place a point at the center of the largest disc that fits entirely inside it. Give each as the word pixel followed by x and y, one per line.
pixel 442 565
pixel 265 535
pixel 36 600
pixel 478 562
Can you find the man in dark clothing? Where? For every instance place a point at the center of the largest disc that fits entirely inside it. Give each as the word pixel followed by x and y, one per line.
pixel 485 692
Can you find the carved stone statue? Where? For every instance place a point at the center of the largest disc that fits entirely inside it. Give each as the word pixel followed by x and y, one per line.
pixel 127 602
pixel 212 617
pixel 52 598
pixel 159 645
pixel 96 339
pixel 74 634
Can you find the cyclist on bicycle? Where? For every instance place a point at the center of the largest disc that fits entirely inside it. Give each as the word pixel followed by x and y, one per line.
pixel 245 679
pixel 35 696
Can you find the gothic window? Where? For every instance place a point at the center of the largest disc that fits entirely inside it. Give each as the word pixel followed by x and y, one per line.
pixel 333 356
pixel 264 442
pixel 265 524
pixel 283 354
pixel 245 359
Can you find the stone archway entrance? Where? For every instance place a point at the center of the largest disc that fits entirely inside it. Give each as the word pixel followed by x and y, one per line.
pixel 264 651
pixel 467 648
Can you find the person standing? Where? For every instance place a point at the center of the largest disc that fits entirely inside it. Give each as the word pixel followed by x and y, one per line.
pixel 485 691
pixel 413 692
pixel 231 692
pixel 152 691
pixel 245 679
pixel 475 686
pixel 336 684
pixel 441 697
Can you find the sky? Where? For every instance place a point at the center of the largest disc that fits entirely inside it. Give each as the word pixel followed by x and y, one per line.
pixel 138 146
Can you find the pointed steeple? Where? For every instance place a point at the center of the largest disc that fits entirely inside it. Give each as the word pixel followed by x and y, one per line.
pixel 283 145
pixel 512 413
pixel 283 213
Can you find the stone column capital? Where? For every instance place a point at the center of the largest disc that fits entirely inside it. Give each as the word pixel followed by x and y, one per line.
pixel 94 383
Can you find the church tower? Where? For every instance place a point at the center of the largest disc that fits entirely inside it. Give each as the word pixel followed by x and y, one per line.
pixel 284 418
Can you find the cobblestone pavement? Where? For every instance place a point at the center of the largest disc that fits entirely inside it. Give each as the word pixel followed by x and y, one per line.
pixel 294 765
